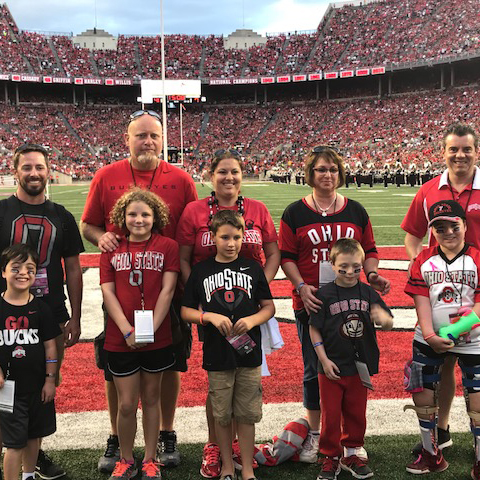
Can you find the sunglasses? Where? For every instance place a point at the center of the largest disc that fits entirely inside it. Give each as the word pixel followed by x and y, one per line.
pixel 31 147
pixel 223 151
pixel 140 113
pixel 323 148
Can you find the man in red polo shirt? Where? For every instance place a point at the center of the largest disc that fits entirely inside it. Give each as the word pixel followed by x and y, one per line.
pixel 459 182
pixel 144 169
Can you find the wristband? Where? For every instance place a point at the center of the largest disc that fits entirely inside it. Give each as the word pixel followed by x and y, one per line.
pixel 53 360
pixel 129 333
pixel 299 286
pixel 429 336
pixel 317 344
pixel 201 318
pixel 50 375
pixel 369 273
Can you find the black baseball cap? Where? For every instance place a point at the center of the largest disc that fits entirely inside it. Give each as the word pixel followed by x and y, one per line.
pixel 446 210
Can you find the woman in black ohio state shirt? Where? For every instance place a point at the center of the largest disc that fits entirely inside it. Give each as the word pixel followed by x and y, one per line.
pixel 308 229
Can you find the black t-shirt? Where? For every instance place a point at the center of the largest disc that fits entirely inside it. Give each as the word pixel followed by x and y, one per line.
pixel 344 322
pixel 23 329
pixel 53 232
pixel 232 289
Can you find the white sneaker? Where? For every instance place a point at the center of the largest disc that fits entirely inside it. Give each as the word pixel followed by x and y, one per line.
pixel 309 452
pixel 360 452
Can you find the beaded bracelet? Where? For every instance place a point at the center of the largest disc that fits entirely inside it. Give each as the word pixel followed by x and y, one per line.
pixel 129 333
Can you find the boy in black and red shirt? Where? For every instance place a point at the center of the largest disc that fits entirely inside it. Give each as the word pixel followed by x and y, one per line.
pixel 235 300
pixel 28 360
pixel 343 336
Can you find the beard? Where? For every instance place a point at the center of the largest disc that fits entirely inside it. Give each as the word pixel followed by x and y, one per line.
pixel 31 190
pixel 146 158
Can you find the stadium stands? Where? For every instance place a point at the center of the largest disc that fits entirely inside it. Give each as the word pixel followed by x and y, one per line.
pixel 386 32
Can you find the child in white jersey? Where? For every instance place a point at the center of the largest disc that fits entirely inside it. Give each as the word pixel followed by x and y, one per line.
pixel 444 284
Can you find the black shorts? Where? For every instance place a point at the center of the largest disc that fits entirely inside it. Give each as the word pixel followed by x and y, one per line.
pixel 123 364
pixel 31 418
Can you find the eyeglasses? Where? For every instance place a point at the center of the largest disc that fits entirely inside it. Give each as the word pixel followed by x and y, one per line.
pixel 139 113
pixel 324 171
pixel 31 147
pixel 223 151
pixel 323 148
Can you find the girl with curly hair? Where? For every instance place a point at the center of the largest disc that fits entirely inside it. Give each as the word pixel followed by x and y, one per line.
pixel 138 280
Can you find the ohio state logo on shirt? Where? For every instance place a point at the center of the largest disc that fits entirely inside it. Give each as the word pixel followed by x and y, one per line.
pixel 36 226
pixel 353 327
pixel 228 280
pixel 448 295
pixel 18 352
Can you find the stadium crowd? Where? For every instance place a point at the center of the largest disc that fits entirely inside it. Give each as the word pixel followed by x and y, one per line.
pixel 401 129
pixel 377 33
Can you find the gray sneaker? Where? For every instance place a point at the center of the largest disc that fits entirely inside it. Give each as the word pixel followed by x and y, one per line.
pixel 167 452
pixel 107 461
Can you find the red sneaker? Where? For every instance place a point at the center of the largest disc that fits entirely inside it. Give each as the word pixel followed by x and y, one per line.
pixel 428 463
pixel 211 463
pixel 237 457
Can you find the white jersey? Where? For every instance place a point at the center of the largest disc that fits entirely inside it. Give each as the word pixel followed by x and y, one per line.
pixel 449 284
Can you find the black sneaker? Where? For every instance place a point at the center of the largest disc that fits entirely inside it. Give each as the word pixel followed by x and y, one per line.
pixel 167 452
pixel 107 461
pixel 444 441
pixel 46 469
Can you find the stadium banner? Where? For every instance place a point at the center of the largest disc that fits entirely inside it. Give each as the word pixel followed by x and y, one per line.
pixel 4 76
pixel 49 79
pixel 109 82
pixel 346 74
pixel 93 81
pixel 124 81
pixel 331 75
pixel 25 78
pixel 283 79
pixel 265 80
pixel 78 81
pixel 299 78
pixel 220 81
pixel 362 72
pixel 315 76
pixel 244 81
pixel 378 70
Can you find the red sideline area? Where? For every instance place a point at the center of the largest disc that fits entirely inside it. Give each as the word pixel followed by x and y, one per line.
pixel 82 388
pixel 385 253
pixel 282 288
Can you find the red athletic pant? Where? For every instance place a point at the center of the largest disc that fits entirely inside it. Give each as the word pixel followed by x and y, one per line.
pixel 343 404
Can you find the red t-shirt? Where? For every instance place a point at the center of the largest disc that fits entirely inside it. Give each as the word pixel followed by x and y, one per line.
pixel 193 230
pixel 306 238
pixel 160 256
pixel 416 219
pixel 171 184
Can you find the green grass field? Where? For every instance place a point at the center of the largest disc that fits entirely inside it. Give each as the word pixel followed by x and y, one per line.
pixel 386 207
pixel 388 457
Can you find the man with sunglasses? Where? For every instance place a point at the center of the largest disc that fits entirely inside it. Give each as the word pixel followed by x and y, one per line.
pixel 459 182
pixel 144 169
pixel 28 217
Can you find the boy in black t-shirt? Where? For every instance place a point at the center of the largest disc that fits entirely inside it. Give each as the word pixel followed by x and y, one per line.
pixel 235 300
pixel 28 357
pixel 344 339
